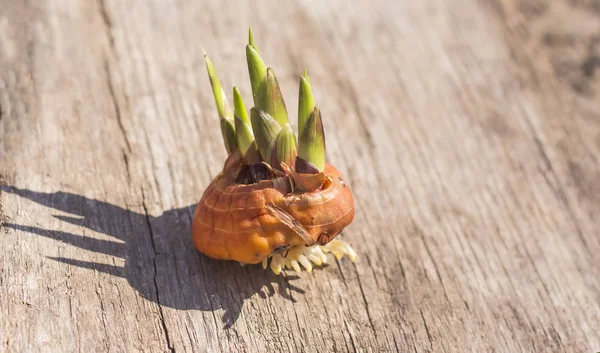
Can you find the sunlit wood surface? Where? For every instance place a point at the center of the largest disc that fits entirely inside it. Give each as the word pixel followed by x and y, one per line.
pixel 469 131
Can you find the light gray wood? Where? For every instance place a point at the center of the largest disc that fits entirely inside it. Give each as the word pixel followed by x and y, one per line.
pixel 469 131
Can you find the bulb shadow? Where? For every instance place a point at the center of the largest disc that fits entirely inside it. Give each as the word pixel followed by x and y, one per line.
pixel 160 261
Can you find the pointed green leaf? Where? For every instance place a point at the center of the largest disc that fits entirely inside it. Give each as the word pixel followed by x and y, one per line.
pixel 220 98
pixel 256 68
pixel 306 102
pixel 240 108
pixel 244 134
pixel 265 130
pixel 251 39
pixel 227 112
pixel 312 141
pixel 284 149
pixel 270 99
pixel 228 132
pixel 223 109
pixel 243 130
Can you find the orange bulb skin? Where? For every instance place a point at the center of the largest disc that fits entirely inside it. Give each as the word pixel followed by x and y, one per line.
pixel 231 221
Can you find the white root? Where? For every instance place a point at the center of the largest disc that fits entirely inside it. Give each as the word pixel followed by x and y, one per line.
pixel 338 248
pixel 309 255
pixel 265 263
pixel 277 263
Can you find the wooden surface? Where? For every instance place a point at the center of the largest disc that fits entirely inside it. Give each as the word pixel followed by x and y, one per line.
pixel 469 131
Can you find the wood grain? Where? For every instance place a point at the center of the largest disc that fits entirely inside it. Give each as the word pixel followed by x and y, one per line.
pixel 469 131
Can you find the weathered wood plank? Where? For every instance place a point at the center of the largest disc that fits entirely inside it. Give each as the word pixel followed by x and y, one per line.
pixel 471 150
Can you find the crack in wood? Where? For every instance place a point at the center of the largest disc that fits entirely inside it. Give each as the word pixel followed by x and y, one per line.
pixel 426 328
pixel 556 186
pixel 116 107
pixel 160 309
